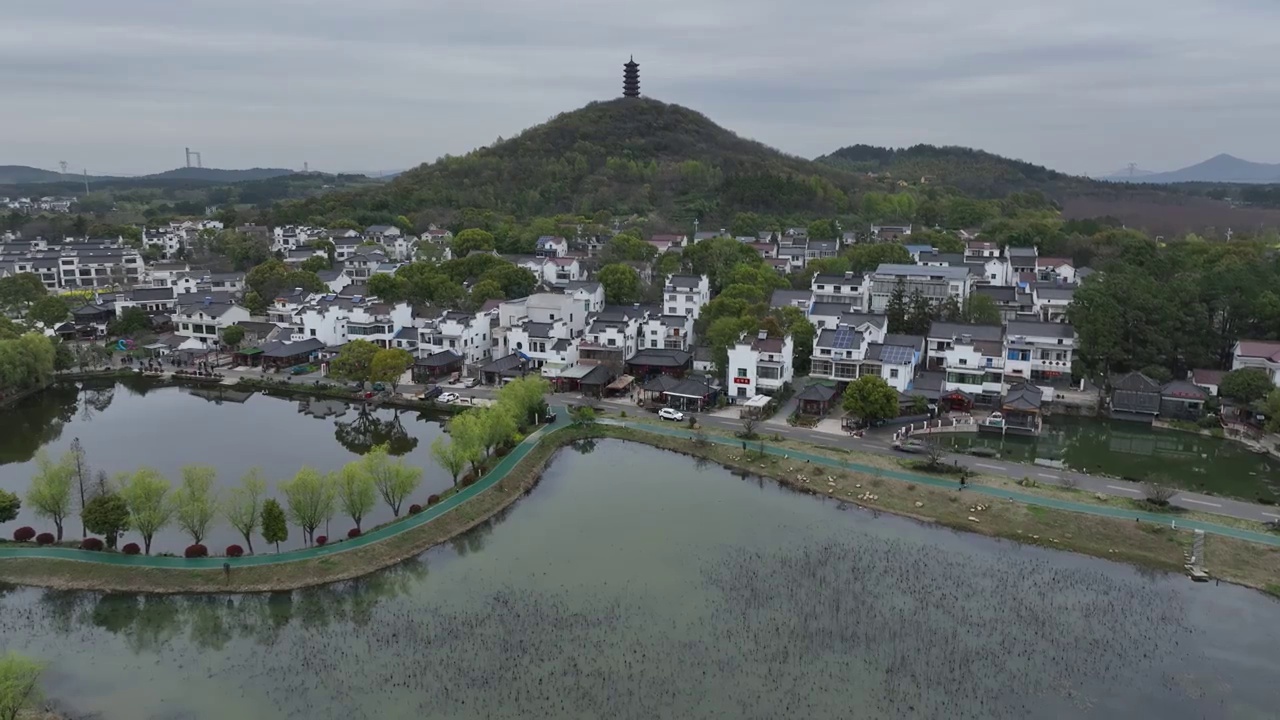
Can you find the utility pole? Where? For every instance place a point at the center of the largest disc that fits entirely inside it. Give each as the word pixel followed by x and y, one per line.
pixel 63 164
pixel 86 181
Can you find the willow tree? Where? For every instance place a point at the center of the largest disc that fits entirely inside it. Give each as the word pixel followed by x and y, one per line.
pixel 310 499
pixel 50 492
pixel 394 480
pixel 147 494
pixel 243 505
pixel 195 502
pixel 356 491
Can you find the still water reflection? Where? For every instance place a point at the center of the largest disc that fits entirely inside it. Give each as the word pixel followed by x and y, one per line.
pixel 633 584
pixel 124 425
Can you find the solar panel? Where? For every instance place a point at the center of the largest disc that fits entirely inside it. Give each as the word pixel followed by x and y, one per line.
pixel 844 336
pixel 896 354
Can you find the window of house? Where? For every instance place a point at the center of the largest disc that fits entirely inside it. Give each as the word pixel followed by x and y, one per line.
pixel 671 310
pixel 964 361
pixel 742 372
pixel 653 343
pixel 612 342
pixel 893 373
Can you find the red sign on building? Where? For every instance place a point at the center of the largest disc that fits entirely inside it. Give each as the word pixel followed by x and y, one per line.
pixel 742 381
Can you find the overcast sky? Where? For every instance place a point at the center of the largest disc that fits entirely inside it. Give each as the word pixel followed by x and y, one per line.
pixel 121 86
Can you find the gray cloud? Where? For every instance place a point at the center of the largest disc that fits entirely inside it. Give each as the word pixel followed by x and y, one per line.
pixel 1085 87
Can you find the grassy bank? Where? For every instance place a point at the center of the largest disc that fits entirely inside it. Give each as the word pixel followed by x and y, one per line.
pixel 1144 544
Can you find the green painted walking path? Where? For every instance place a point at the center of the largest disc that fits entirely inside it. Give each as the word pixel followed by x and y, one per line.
pixel 493 477
pixel 507 463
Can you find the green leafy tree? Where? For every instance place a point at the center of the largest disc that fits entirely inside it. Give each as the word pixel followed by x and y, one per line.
pixel 50 492
pixel 21 290
pixel 232 336
pixel 275 528
pixel 499 428
pixel 147 494
pixel 389 288
pixel 871 398
pixel 357 493
pixel 621 284
pixel 315 264
pixel 627 247
pixel 449 455
pixel 897 310
pixel 1246 385
pixel 310 499
pixel 106 514
pixel 19 685
pixel 195 502
pixel 79 466
pixel 472 239
pixel 389 365
pixel 468 432
pixel 486 290
pixel 524 397
pixel 822 230
pixel 10 504
pixel 1272 407
pixel 980 309
pixel 920 314
pixel 354 361
pixel 243 506
pixel 131 320
pixel 515 281
pixel 49 310
pixel 393 479
pixel 866 257
pixel 583 415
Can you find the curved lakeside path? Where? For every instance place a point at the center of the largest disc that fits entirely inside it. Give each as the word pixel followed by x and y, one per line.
pixel 508 463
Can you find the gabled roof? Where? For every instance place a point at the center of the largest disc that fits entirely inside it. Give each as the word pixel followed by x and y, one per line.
pixel 1201 376
pixel 1023 396
pixel 1135 382
pixel 817 393
pixel 441 359
pixel 690 282
pixel 284 349
pixel 840 339
pixel 830 309
pixel 948 331
pixel 1039 329
pixel 654 357
pixel 1259 349
pixel 1183 390
pixel 948 273
pixel 784 298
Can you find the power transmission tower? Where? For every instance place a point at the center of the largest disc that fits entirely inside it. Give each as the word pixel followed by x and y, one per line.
pixel 1133 169
pixel 63 164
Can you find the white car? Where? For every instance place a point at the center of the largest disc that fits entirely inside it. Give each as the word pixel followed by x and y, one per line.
pixel 670 414
pixel 448 397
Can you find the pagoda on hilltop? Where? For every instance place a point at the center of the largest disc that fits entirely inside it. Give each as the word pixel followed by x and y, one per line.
pixel 631 79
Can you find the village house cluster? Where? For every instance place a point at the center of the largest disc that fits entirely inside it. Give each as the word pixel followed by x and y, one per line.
pixel 567 333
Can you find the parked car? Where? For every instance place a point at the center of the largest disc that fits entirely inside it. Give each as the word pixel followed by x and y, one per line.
pixel 432 392
pixel 448 397
pixel 470 382
pixel 670 414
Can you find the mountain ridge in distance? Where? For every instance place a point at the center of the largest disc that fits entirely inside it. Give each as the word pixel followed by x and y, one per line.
pixel 1221 168
pixel 27 175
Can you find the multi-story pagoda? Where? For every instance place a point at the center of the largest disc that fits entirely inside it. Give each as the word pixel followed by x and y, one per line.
pixel 631 79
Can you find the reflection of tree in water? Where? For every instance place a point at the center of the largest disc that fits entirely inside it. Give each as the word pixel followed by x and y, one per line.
pixel 367 430
pixel 36 421
pixel 585 446
pixel 95 399
pixel 473 540
pixel 148 623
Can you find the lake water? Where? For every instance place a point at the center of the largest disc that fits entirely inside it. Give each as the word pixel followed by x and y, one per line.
pixel 636 583
pixel 1141 452
pixel 125 425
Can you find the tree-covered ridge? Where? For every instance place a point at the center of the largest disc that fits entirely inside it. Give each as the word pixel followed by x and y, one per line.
pixel 971 171
pixel 625 156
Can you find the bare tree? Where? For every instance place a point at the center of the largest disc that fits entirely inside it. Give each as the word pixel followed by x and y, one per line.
pixel 80 471
pixel 1158 494
pixel 933 453
pixel 749 427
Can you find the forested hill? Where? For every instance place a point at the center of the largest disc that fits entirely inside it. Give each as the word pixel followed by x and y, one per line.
pixel 971 171
pixel 624 156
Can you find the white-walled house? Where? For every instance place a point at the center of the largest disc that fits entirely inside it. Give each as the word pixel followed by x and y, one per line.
pixel 667 332
pixel 686 295
pixel 971 358
pixel 551 246
pixel 152 300
pixel 466 334
pixel 860 345
pixel 1051 269
pixel 1051 300
pixel 759 365
pixel 1261 354
pixel 850 288
pixel 337 320
pixel 1038 352
pixel 589 296
pixel 203 319
pixel 935 283
pixel 543 345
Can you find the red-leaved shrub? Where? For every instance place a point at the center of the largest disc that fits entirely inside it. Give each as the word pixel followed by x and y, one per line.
pixel 196 551
pixel 93 544
pixel 321 540
pixel 24 534
pixel 432 500
pixel 234 551
pixel 44 539
pixel 353 533
pixel 131 549
pixel 414 509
